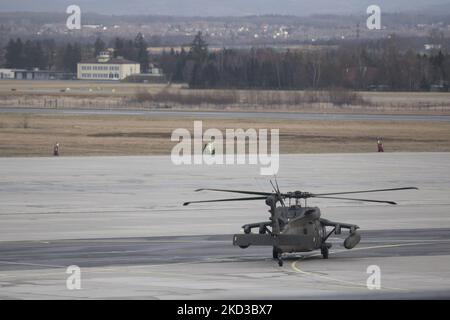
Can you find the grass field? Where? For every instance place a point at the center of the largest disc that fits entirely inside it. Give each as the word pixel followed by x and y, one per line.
pixel 35 135
pixel 87 94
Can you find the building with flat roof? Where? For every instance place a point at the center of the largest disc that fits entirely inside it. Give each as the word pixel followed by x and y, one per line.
pixel 154 75
pixel 106 68
pixel 35 74
pixel 7 73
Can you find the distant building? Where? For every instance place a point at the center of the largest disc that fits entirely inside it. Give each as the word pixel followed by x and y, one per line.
pixel 441 86
pixel 431 46
pixel 35 74
pixel 154 69
pixel 155 75
pixel 6 73
pixel 106 68
pixel 379 87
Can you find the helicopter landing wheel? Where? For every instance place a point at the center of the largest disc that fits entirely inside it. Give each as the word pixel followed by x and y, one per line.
pixel 275 253
pixel 280 261
pixel 324 250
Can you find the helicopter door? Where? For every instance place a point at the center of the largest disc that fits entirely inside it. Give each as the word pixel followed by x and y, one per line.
pixel 318 233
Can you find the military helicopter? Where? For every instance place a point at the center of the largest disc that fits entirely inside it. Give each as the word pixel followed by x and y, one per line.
pixel 294 227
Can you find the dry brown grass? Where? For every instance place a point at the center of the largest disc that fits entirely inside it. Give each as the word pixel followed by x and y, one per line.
pixel 86 94
pixel 137 135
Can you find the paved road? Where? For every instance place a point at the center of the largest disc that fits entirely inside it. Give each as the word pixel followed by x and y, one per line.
pixel 234 115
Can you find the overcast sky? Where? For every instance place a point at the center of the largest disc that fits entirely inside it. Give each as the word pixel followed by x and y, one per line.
pixel 223 7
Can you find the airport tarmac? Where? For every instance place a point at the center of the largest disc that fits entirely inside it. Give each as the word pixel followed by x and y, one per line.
pixel 121 220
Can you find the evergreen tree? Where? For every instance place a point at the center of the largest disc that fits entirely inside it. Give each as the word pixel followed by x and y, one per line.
pixel 28 55
pixel 71 56
pixel 198 54
pixel 199 49
pixel 99 46
pixel 76 57
pixel 67 57
pixel 142 53
pixel 14 54
pixel 119 47
pixel 40 59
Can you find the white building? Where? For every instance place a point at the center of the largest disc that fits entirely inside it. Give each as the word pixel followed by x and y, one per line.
pixel 106 68
pixel 7 73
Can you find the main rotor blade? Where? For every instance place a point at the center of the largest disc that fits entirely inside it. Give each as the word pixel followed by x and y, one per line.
pixel 277 191
pixel 278 188
pixel 238 191
pixel 364 191
pixel 353 199
pixel 222 200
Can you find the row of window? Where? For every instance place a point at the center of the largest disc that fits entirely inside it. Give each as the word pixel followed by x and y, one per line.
pixel 100 75
pixel 111 68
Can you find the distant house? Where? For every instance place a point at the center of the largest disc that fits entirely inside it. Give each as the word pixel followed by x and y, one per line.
pixel 106 68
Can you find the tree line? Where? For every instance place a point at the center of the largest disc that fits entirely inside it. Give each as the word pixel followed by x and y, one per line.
pixel 45 55
pixel 48 55
pixel 356 65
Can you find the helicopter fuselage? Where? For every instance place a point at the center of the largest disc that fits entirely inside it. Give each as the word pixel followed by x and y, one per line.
pixel 295 229
pixel 300 230
pixel 304 222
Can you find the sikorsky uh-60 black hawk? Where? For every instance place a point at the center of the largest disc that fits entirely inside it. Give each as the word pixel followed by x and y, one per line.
pixel 293 227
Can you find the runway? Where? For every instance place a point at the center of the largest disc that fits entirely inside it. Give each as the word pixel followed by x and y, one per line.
pixel 120 220
pixel 231 114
